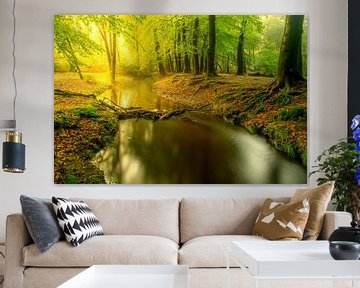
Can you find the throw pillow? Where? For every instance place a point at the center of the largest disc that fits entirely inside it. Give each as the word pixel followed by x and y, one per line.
pixel 77 220
pixel 41 222
pixel 279 221
pixel 319 198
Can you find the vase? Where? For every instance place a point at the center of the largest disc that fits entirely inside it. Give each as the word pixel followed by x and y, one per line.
pixel 344 250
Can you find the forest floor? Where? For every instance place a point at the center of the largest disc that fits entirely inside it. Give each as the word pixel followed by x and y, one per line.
pixel 81 129
pixel 82 126
pixel 243 100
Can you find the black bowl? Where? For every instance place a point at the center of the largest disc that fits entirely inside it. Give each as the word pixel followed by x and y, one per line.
pixel 344 250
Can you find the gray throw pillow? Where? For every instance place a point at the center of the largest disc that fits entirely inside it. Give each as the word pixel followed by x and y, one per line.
pixel 41 221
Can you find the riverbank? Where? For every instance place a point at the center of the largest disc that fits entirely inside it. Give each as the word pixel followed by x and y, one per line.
pixel 81 129
pixel 82 126
pixel 243 101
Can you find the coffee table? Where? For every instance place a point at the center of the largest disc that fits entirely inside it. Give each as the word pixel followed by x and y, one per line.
pixel 131 276
pixel 293 260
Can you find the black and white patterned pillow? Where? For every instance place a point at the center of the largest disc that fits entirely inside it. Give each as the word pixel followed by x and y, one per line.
pixel 77 220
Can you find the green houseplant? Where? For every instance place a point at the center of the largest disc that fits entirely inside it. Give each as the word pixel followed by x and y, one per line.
pixel 341 163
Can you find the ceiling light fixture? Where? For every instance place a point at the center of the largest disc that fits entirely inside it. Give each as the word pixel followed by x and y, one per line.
pixel 13 149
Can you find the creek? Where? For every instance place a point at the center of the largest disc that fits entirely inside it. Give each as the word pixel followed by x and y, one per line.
pixel 195 149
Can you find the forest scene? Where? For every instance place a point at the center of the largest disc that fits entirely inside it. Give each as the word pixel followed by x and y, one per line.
pixel 180 99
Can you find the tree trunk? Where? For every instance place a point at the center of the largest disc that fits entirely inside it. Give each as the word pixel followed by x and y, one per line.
pixel 178 52
pixel 185 49
pixel 113 59
pixel 75 61
pixel 212 42
pixel 195 46
pixel 169 61
pixel 240 56
pixel 290 59
pixel 227 64
pixel 106 44
pixel 158 56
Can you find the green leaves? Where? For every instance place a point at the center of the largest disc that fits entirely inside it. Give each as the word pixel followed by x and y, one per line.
pixel 339 163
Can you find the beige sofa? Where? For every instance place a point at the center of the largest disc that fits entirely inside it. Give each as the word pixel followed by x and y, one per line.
pixel 194 232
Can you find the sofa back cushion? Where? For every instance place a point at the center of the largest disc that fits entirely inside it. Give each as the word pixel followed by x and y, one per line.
pixel 159 217
pixel 200 217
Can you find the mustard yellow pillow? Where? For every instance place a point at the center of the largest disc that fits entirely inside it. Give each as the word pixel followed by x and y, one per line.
pixel 319 198
pixel 279 221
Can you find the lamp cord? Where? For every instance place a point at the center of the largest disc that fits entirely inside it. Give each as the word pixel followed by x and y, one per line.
pixel 14 61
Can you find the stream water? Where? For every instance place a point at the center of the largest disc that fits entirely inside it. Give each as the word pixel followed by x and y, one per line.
pixel 198 149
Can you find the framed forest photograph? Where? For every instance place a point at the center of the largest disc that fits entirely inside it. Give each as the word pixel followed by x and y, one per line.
pixel 180 99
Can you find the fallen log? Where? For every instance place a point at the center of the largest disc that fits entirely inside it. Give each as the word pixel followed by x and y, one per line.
pixel 70 94
pixel 139 113
pixel 171 114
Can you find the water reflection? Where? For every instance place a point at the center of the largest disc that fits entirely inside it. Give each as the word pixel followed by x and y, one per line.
pixel 199 149
pixel 137 92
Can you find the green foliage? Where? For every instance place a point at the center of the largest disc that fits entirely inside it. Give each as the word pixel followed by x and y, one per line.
pixel 253 129
pixel 72 40
pixel 280 137
pixel 267 53
pixel 267 60
pixel 339 163
pixel 260 108
pixel 79 38
pixel 63 120
pixel 71 179
pixel 281 99
pixel 85 112
pixel 292 113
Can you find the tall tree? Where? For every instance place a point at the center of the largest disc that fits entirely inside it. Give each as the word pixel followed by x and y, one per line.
pixel 240 55
pixel 178 51
pixel 290 59
pixel 109 27
pixel 71 41
pixel 195 46
pixel 185 48
pixel 211 71
pixel 158 55
pixel 113 58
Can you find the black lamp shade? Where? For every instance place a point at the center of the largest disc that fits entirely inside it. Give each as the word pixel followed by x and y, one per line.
pixel 13 157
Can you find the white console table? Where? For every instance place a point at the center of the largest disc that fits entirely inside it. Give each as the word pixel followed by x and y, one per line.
pixel 294 261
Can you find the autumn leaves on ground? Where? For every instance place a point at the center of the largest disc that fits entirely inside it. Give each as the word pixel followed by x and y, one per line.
pixel 240 81
pixel 244 101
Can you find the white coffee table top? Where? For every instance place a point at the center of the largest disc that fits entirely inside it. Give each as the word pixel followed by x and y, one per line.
pixel 291 259
pixel 131 276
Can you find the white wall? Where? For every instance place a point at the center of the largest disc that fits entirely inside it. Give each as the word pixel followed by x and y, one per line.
pixel 327 89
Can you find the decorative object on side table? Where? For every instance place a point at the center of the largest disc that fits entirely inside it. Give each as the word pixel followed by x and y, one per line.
pixel 344 250
pixel 351 233
pixel 341 163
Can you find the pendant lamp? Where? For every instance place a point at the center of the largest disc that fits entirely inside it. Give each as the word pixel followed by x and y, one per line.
pixel 13 159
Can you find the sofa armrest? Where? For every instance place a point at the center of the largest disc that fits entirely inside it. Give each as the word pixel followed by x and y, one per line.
pixel 17 237
pixel 333 220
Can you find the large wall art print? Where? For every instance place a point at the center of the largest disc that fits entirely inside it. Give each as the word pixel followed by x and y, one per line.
pixel 180 99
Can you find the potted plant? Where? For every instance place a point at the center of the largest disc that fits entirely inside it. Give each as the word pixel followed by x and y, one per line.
pixel 341 163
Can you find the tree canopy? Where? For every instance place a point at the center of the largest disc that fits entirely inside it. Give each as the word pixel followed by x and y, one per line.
pixel 242 44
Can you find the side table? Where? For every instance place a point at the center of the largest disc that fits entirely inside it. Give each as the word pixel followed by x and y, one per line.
pixel 293 264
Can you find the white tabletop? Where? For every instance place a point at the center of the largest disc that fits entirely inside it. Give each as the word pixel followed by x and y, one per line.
pixel 291 259
pixel 131 276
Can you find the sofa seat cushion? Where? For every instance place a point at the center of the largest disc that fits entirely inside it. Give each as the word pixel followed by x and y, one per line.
pixel 211 251
pixel 107 249
pixel 206 217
